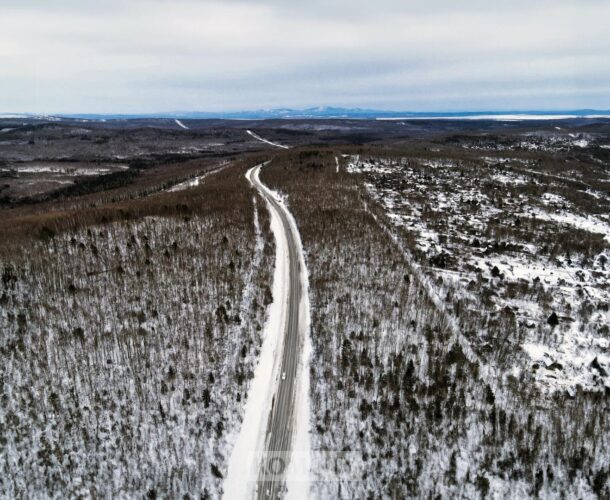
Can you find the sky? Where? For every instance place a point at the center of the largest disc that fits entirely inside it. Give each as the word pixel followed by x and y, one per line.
pixel 146 56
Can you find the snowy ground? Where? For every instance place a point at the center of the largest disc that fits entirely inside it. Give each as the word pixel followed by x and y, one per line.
pixel 126 352
pixel 413 394
pixel 483 229
pixel 547 142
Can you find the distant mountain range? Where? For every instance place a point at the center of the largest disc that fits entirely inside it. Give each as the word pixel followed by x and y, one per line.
pixel 329 112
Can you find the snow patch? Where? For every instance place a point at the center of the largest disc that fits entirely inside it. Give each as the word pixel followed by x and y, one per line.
pixel 586 223
pixel 509 179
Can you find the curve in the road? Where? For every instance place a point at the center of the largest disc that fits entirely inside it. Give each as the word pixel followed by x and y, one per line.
pixel 281 422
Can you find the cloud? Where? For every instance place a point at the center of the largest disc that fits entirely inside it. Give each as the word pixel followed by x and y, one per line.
pixel 157 55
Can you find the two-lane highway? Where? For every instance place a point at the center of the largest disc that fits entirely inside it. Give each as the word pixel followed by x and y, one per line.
pixel 281 421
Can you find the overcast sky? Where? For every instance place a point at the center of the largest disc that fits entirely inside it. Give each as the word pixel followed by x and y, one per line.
pixel 433 55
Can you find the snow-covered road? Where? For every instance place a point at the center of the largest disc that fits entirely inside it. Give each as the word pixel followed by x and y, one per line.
pixel 259 138
pixel 271 455
pixel 182 125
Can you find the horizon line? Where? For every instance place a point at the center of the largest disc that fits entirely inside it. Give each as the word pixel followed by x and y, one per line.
pixel 323 112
